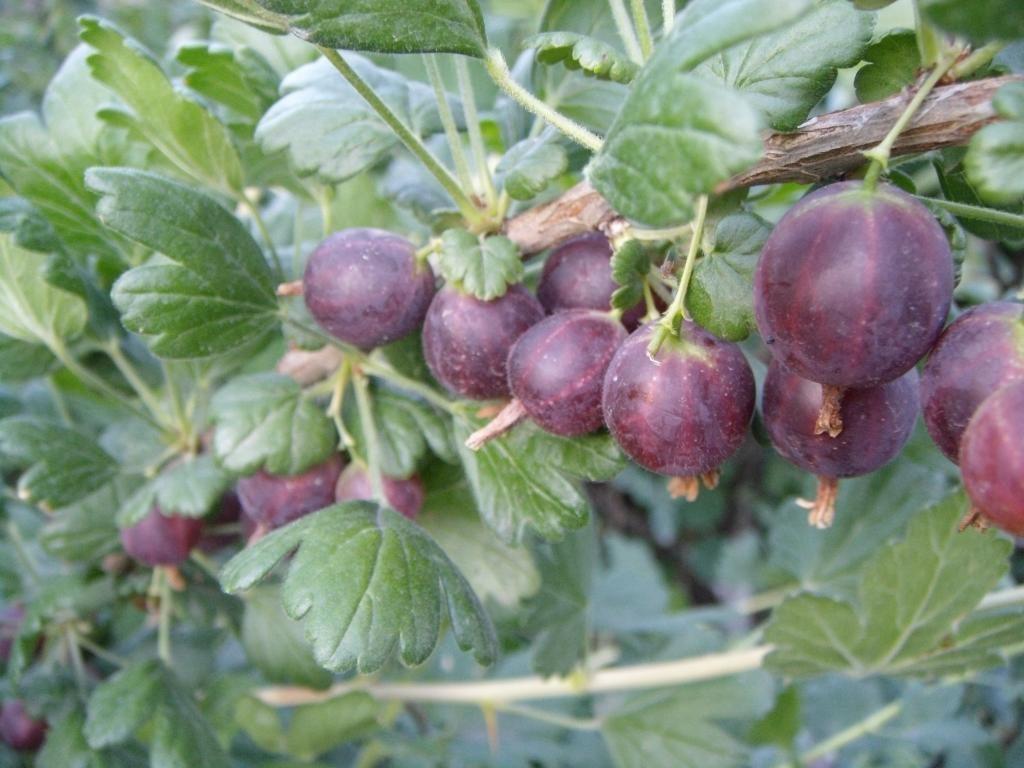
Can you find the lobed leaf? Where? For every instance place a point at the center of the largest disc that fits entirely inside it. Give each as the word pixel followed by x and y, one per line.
pixel 482 266
pixel 530 166
pixel 892 64
pixel 588 55
pixel 189 488
pixel 368 584
pixel 995 157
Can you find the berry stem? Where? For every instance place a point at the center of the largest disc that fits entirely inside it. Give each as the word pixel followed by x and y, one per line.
pixel 451 132
pixel 879 155
pixel 163 636
pixel 498 69
pixel 411 141
pixel 476 138
pixel 976 60
pixel 865 727
pixel 261 225
pixel 124 366
pixel 369 427
pixel 643 27
pixel 670 320
pixel 976 212
pixel 626 32
pixel 668 15
pixel 339 383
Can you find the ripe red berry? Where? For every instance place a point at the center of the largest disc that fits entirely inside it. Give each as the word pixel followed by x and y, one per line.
pixel 982 351
pixel 466 340
pixel 161 539
pixel 275 500
pixel 366 287
pixel 404 495
pixel 18 729
pixel 229 512
pixel 853 286
pixel 684 412
pixel 877 422
pixel 992 458
pixel 556 369
pixel 578 275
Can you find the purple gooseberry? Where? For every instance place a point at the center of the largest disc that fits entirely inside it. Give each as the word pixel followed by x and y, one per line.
pixel 683 412
pixel 366 287
pixel 275 500
pixel 877 422
pixel 853 285
pixel 992 458
pixel 18 729
pixel 404 495
pixel 466 340
pixel 981 351
pixel 161 539
pixel 556 369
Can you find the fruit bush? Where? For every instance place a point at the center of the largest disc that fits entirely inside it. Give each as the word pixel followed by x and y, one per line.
pixel 458 383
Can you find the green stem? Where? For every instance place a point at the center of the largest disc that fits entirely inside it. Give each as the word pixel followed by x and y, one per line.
pixel 643 27
pixel 451 132
pixel 976 60
pixel 411 141
pixel 868 725
pixel 977 212
pixel 668 233
pixel 668 15
pixel 339 383
pixel 499 72
pixel 75 654
pixel 99 651
pixel 542 715
pixel 369 425
pixel 476 138
pixel 124 365
pixel 677 308
pixel 163 636
pixel 58 401
pixel 20 552
pixel 326 199
pixel 261 225
pixel 174 395
pixel 879 155
pixel 929 43
pixel 626 32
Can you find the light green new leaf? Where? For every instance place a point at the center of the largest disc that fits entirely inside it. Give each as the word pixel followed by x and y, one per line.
pixel 181 129
pixel 482 266
pixel 32 310
pixel 593 57
pixel 368 584
pixel 910 595
pixel 683 726
pixel 995 157
pixel 530 166
pixel 328 129
pixel 238 79
pixel 785 73
pixel 387 26
pixel 263 420
pixel 892 64
pixel 721 293
pixel 530 479
pixel 217 296
pixel 61 465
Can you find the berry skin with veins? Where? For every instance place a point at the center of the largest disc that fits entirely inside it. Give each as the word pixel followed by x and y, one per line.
pixel 992 459
pixel 466 340
pixel 877 422
pixel 275 500
pixel 556 369
pixel 980 352
pixel 853 287
pixel 161 539
pixel 404 495
pixel 684 412
pixel 366 287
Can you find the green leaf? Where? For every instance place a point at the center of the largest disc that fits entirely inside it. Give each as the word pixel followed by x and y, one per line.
pixel 274 643
pixel 406 428
pixel 529 478
pixel 721 293
pixel 217 296
pixel 592 57
pixel 182 130
pixel 910 595
pixel 387 26
pixel 252 13
pixel 682 726
pixel 240 80
pixel 530 166
pixel 87 530
pixel 61 465
pixel 367 584
pixel 263 420
pixel 32 310
pixel 482 266
pixel 317 728
pixel 189 488
pixel 979 20
pixel 328 129
pixel 495 570
pixel 786 73
pixel 995 157
pixel 148 692
pixel 956 186
pixel 892 64
pixel 630 265
pixel 20 361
